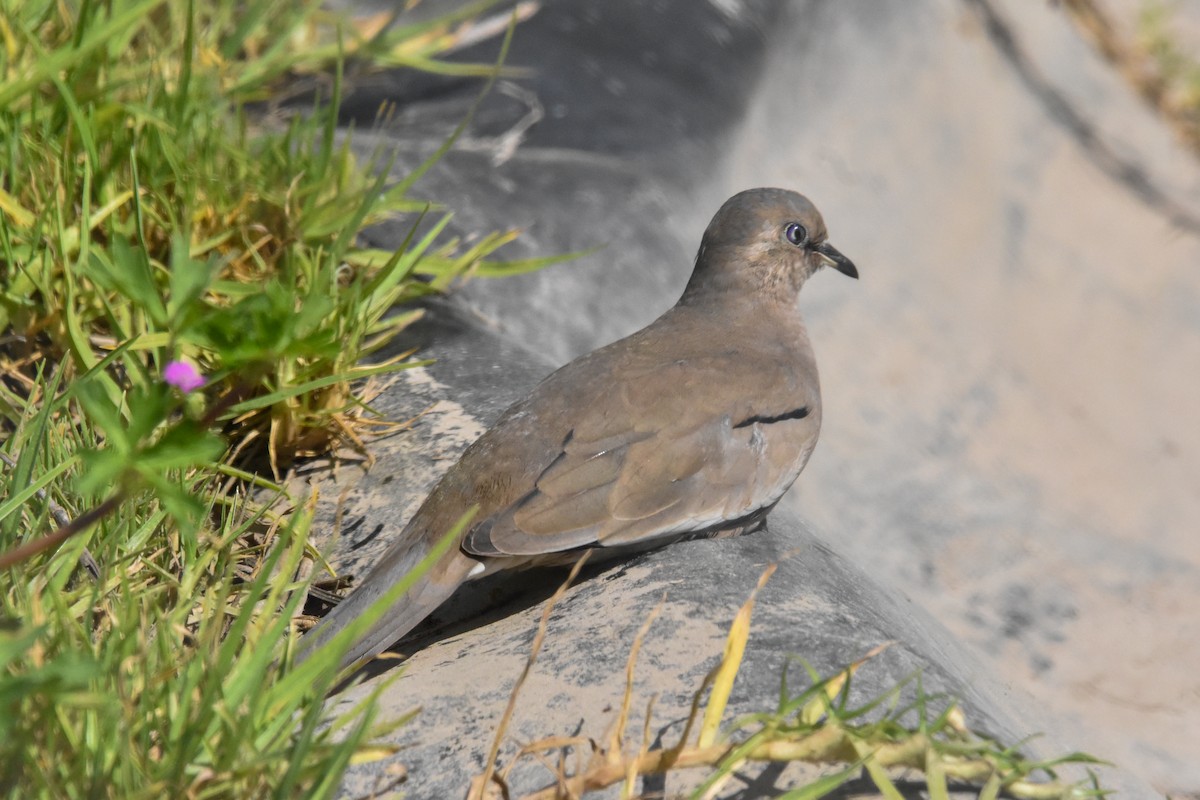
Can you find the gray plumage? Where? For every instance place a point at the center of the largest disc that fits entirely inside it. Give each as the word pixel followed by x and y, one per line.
pixel 697 423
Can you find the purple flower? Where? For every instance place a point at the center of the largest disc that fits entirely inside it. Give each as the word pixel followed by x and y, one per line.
pixel 183 376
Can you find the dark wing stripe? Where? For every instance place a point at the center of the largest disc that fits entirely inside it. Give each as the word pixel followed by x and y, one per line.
pixel 795 413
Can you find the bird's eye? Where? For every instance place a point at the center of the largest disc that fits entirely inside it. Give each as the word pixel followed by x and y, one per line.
pixel 796 233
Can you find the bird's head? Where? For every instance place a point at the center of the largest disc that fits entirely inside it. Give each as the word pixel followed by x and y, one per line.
pixel 764 240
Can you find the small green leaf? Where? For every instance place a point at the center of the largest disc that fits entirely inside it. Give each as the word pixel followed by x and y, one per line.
pixel 185 508
pixel 189 280
pixel 100 410
pixel 102 471
pixel 128 273
pixel 148 407
pixel 183 445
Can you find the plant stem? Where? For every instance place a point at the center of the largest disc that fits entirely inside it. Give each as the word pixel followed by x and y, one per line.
pixel 77 525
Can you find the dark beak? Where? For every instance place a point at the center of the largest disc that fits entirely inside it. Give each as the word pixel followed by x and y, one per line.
pixel 836 260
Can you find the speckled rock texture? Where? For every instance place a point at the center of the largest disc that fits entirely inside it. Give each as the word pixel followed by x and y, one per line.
pixel 1012 432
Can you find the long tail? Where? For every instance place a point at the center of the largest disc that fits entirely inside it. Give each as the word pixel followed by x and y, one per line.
pixel 418 602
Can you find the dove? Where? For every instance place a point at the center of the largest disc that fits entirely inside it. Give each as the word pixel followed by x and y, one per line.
pixel 695 425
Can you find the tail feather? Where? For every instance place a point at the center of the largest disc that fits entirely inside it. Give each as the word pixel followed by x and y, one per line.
pixel 419 601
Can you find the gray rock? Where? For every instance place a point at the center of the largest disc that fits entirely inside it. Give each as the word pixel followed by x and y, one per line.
pixel 466 658
pixel 634 105
pixel 1011 433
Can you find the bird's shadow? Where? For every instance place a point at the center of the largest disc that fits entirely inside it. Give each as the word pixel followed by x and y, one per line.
pixel 482 602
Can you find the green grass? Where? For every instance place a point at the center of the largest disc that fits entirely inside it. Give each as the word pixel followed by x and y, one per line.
pixel 1176 82
pixel 143 205
pixel 147 217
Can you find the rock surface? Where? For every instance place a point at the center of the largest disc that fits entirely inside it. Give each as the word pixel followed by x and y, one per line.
pixel 1012 432
pixel 465 660
pixel 1012 436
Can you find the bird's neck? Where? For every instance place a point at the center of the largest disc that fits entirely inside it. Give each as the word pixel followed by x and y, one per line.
pixel 723 274
pixel 726 290
pixel 736 303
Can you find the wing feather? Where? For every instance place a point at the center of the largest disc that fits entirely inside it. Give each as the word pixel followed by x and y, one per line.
pixel 636 468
